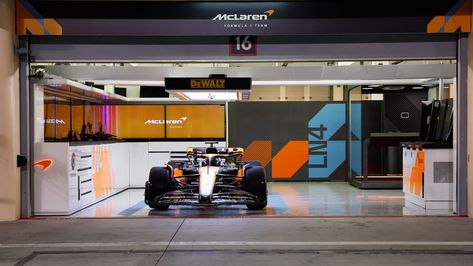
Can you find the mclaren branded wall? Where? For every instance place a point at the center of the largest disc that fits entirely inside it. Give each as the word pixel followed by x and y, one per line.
pixel 135 121
pixel 296 141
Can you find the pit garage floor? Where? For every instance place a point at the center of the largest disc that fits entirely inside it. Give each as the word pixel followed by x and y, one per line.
pixel 367 241
pixel 285 199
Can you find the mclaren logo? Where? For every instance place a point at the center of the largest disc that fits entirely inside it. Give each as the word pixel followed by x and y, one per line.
pixel 51 121
pixel 44 165
pixel 55 121
pixel 245 17
pixel 162 122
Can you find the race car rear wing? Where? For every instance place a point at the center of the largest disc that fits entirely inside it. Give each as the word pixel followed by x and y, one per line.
pixel 214 150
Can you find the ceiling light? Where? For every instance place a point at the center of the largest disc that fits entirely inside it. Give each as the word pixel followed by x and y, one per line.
pixel 338 82
pixel 345 63
pixel 366 88
pixel 418 88
pixel 212 96
pixel 393 88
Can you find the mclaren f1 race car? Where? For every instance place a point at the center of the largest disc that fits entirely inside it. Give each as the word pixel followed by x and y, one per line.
pixel 209 177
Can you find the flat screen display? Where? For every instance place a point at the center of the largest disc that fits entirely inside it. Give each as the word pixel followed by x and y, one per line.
pixel 195 121
pixel 140 121
pixel 135 121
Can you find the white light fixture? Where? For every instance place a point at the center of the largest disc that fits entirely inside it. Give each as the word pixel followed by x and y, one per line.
pixel 418 88
pixel 366 88
pixel 281 82
pixel 209 96
pixel 347 63
pixel 338 82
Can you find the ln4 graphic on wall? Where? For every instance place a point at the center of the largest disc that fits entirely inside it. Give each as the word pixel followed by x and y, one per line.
pixel 327 152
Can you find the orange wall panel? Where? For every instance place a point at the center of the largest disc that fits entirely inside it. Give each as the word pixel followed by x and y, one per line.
pixel 63 121
pixel 140 121
pixel 195 121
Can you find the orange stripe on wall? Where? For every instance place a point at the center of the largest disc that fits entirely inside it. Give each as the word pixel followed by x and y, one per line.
pixel 461 19
pixel 52 26
pixel 260 150
pixel 455 23
pixel 436 24
pixel 25 21
pixel 290 159
pixel 31 25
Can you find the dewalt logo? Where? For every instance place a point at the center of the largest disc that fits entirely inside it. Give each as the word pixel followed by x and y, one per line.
pixel 207 83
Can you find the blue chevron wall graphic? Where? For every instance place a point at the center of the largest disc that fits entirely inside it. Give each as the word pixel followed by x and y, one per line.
pixel 326 155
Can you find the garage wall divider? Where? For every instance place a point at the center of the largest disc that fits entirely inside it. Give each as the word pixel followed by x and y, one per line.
pixel 26 136
pixel 462 121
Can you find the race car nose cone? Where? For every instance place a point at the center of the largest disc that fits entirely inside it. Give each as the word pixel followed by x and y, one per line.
pixel 207 181
pixel 205 199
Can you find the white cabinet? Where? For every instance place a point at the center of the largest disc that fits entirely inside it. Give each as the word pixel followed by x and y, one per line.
pixel 428 177
pixel 83 174
pixel 139 170
pixel 78 175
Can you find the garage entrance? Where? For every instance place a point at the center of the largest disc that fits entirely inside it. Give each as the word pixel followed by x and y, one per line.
pixel 346 116
pixel 297 129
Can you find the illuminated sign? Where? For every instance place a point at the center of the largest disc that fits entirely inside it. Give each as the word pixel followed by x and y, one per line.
pixel 245 17
pixel 207 84
pixel 52 121
pixel 203 121
pixel 162 122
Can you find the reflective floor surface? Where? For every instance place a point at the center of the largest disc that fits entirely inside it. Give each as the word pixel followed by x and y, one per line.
pixel 285 199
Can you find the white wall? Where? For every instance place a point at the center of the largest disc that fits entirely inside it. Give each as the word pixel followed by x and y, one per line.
pixel 9 116
pixel 133 91
pixel 293 93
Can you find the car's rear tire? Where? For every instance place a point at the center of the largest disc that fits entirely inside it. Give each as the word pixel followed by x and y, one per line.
pixel 158 184
pixel 255 183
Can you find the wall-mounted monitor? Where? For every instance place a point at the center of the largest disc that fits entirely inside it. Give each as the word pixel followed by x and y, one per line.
pixel 195 121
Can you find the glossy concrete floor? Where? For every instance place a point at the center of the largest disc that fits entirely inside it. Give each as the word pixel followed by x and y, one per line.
pixel 359 241
pixel 285 199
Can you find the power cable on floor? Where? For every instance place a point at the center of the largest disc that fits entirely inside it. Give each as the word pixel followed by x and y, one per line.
pixel 170 241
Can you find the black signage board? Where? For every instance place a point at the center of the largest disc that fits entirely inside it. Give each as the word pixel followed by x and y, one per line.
pixel 128 9
pixel 183 18
pixel 242 46
pixel 207 84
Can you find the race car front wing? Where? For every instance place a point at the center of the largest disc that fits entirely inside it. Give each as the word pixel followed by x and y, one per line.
pixel 228 197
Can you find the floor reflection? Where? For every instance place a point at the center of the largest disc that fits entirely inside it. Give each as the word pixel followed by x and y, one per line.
pixel 285 199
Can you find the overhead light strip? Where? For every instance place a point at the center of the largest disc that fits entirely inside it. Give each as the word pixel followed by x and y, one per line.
pixel 281 82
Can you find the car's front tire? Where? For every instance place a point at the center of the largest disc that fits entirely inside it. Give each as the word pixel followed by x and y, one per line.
pixel 255 183
pixel 158 183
